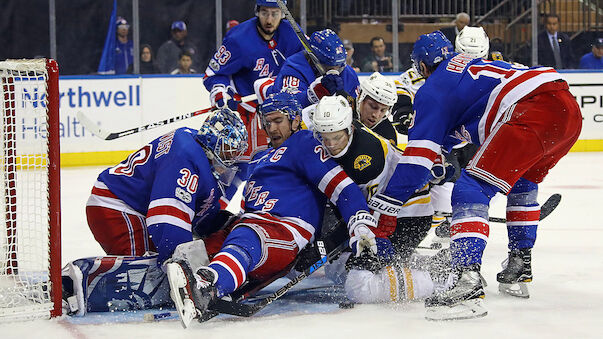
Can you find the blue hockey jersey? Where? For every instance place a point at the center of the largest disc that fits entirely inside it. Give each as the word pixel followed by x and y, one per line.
pixel 169 181
pixel 245 56
pixel 462 100
pixel 293 182
pixel 297 75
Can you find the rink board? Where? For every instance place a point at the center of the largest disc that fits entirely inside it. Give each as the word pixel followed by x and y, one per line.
pixel 119 103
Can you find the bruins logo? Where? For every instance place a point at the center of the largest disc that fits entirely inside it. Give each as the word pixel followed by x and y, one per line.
pixel 362 161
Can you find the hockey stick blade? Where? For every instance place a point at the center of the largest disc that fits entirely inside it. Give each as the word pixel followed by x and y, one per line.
pixel 106 135
pixel 545 209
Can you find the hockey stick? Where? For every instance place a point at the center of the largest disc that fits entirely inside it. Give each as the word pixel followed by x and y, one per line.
pixel 301 36
pixel 106 135
pixel 249 309
pixel 545 210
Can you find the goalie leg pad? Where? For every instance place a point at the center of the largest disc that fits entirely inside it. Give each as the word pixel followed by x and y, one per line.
pixel 115 283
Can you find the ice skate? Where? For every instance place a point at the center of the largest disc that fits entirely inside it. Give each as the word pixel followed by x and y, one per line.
pixel 462 301
pixel 190 292
pixel 517 271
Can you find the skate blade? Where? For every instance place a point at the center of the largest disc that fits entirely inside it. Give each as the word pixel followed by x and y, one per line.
pixel 468 309
pixel 185 306
pixel 518 290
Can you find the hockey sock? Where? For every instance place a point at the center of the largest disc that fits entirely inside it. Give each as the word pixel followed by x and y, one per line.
pixel 469 228
pixel 240 253
pixel 523 213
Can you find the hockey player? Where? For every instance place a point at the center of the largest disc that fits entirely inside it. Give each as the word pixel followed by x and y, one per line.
pixel 370 160
pixel 284 199
pixel 301 77
pixel 374 105
pixel 151 202
pixel 502 108
pixel 254 49
pixel 474 42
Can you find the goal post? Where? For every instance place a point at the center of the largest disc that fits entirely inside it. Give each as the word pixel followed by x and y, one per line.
pixel 30 241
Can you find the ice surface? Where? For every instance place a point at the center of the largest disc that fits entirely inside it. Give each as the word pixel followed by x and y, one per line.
pixel 566 295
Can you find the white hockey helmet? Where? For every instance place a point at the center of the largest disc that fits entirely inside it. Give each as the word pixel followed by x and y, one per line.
pixel 473 41
pixel 332 114
pixel 380 89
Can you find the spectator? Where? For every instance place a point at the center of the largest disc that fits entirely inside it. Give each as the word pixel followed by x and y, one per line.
pixel 349 59
pixel 230 24
pixel 554 47
pixel 184 64
pixel 462 20
pixel 147 64
pixel 124 47
pixel 379 61
pixel 594 59
pixel 169 52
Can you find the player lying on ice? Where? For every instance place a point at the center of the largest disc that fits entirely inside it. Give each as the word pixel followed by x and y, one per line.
pixel 502 108
pixel 285 196
pixel 150 203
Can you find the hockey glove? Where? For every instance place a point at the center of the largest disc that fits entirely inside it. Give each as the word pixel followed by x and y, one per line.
pixel 385 210
pixel 222 97
pixel 402 114
pixel 360 228
pixel 326 85
pixel 441 171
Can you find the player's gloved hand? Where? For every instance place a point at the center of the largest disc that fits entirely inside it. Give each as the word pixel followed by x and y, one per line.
pixel 222 97
pixel 402 119
pixel 325 85
pixel 441 171
pixel 360 228
pixel 385 210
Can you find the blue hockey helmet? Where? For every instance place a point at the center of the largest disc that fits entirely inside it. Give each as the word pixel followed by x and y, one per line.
pixel 431 49
pixel 223 133
pixel 268 3
pixel 283 102
pixel 328 48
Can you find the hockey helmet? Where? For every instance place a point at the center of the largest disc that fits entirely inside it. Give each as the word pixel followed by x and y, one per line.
pixel 223 133
pixel 430 49
pixel 332 114
pixel 328 48
pixel 380 89
pixel 473 41
pixel 268 3
pixel 283 102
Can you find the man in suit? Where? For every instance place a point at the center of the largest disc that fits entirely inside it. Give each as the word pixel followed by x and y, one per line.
pixel 462 20
pixel 554 47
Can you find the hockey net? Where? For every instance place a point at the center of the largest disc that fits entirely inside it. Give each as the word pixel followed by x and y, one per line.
pixel 30 249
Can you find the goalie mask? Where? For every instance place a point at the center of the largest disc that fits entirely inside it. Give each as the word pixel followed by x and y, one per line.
pixel 333 115
pixel 473 41
pixel 380 89
pixel 224 137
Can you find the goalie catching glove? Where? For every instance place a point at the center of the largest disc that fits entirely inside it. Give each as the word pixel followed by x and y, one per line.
pixel 360 228
pixel 221 97
pixel 325 85
pixel 385 210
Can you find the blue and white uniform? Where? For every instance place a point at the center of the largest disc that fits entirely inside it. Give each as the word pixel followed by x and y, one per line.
pixel 297 75
pixel 245 56
pixel 160 190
